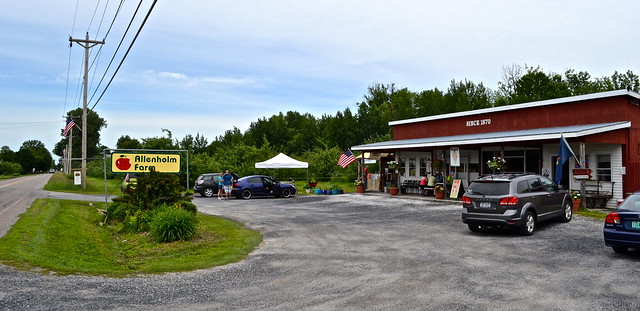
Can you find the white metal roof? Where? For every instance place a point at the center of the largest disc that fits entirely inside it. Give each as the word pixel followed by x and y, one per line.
pixel 498 137
pixel 555 101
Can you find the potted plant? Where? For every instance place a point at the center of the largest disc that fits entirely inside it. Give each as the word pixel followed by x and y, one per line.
pixel 392 164
pixel 359 185
pixel 439 191
pixel 437 165
pixel 497 164
pixel 393 188
pixel 334 188
pixel 576 196
pixel 307 188
pixel 313 183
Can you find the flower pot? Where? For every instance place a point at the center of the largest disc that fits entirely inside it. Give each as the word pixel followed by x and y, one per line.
pixel 340 191
pixel 318 191
pixel 327 192
pixel 335 191
pixel 440 195
pixel 393 190
pixel 307 190
pixel 313 184
pixel 576 205
pixel 360 189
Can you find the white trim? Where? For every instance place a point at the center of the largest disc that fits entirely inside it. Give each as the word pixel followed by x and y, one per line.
pixel 555 101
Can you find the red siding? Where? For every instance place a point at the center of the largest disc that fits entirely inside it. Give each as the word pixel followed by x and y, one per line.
pixel 593 111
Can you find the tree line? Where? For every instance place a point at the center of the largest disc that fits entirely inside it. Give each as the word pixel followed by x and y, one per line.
pixel 321 140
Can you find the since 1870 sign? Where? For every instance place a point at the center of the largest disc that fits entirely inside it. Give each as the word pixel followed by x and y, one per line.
pixel 145 162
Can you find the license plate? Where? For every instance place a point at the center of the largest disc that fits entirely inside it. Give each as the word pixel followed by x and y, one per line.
pixel 485 204
pixel 635 225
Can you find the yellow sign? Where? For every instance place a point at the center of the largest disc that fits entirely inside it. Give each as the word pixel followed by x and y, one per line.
pixel 455 189
pixel 145 162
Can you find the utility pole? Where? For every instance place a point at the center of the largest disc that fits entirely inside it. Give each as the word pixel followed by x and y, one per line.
pixel 86 44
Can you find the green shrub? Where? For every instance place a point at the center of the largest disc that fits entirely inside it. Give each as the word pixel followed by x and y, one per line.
pixel 10 168
pixel 187 206
pixel 171 224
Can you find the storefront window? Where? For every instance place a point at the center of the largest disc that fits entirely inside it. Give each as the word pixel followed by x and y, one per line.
pixel 412 167
pixel 424 165
pixel 403 165
pixel 604 167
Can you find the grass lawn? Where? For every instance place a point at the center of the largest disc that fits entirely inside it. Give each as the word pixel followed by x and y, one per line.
pixel 64 183
pixel 65 237
pixel 594 214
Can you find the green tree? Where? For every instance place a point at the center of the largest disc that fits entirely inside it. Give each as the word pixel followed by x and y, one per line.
pixel 33 156
pixel 94 125
pixel 126 142
pixel 159 143
pixel 6 154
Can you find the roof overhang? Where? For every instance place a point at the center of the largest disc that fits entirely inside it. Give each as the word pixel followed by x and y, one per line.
pixel 498 137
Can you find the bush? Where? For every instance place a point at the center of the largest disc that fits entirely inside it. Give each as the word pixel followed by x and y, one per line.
pixel 171 224
pixel 10 168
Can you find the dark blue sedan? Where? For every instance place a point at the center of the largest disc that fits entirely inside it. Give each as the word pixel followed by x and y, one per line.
pixel 622 226
pixel 261 185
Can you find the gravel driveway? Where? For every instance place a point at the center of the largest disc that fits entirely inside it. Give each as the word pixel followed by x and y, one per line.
pixel 374 252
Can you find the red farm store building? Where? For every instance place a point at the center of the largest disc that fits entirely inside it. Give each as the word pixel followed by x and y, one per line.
pixel 603 129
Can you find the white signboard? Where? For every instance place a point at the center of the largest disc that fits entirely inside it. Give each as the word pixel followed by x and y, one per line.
pixel 77 177
pixel 455 156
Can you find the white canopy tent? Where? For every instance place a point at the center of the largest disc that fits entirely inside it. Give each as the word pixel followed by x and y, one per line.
pixel 283 161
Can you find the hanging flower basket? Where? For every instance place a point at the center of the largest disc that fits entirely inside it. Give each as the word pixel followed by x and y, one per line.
pixel 497 164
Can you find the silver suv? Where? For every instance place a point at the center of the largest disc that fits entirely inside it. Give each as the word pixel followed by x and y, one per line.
pixel 514 200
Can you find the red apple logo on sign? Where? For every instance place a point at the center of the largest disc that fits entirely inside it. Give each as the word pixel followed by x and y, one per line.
pixel 123 163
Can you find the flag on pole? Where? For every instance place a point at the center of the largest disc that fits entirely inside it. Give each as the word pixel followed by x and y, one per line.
pixel 346 158
pixel 70 125
pixel 564 153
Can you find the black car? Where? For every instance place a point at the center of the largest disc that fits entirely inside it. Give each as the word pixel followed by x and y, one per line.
pixel 622 226
pixel 207 184
pixel 261 185
pixel 514 200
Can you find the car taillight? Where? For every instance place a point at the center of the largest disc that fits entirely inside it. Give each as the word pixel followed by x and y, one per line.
pixel 509 201
pixel 612 218
pixel 466 199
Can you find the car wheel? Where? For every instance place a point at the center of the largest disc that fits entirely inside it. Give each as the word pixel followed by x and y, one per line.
pixel 567 212
pixel 246 194
pixel 474 228
pixel 207 192
pixel 529 225
pixel 286 193
pixel 620 249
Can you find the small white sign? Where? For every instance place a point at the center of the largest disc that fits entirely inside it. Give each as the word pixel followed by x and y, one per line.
pixel 77 177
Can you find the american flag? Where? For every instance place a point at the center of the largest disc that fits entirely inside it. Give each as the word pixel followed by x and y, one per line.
pixel 69 126
pixel 346 158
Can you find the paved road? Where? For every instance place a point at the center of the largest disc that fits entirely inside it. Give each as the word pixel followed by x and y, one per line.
pixel 374 252
pixel 17 194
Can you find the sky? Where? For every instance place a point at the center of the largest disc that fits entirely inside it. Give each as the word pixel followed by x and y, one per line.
pixel 206 66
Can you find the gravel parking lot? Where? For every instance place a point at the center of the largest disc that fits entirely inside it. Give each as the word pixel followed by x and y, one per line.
pixel 372 251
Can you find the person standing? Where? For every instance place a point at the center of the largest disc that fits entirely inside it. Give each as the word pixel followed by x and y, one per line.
pixel 220 186
pixel 227 183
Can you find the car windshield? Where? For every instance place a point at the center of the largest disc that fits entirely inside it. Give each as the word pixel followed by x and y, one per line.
pixel 489 187
pixel 632 203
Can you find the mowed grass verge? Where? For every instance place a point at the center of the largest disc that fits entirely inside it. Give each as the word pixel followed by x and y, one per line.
pixel 65 237
pixel 64 183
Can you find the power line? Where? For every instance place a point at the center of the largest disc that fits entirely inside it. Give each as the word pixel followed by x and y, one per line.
pixel 116 52
pixel 126 53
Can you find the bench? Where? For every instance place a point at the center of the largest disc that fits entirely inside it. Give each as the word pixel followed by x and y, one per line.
pixel 410 186
pixel 597 193
pixel 413 187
